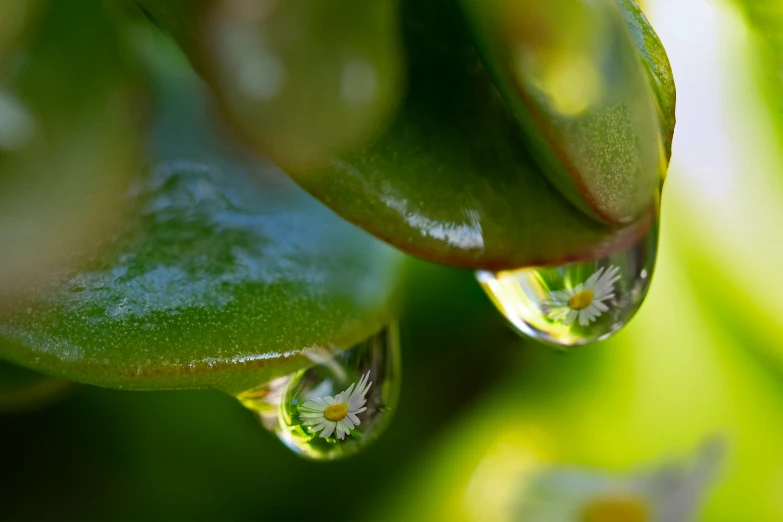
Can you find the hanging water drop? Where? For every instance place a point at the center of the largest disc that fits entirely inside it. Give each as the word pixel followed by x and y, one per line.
pixel 337 406
pixel 576 303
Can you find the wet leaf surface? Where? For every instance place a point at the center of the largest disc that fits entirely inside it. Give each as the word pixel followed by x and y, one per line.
pixel 224 272
pixel 572 77
pixel 451 180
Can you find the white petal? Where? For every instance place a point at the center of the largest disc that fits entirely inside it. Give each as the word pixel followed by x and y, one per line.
pixel 600 306
pixel 330 401
pixel 312 406
pixel 347 393
pixel 318 427
pixel 611 277
pixel 591 281
pixel 602 291
pixel 560 296
pixel 359 410
pixel 364 386
pixel 569 319
pixel 312 416
pixel 354 418
pixel 603 294
pixel 328 430
pixel 589 314
pixel 608 279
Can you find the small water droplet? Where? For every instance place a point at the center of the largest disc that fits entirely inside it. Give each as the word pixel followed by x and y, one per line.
pixel 576 303
pixel 338 405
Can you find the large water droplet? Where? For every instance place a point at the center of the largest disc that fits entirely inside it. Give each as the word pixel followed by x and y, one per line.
pixel 576 303
pixel 338 405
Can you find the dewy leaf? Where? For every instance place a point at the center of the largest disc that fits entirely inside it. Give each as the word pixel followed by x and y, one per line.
pixel 70 132
pixel 451 181
pixel 225 273
pixel 573 78
pixel 299 79
pixel 659 71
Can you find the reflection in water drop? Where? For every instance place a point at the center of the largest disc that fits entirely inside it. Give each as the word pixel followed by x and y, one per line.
pixel 265 400
pixel 337 406
pixel 576 303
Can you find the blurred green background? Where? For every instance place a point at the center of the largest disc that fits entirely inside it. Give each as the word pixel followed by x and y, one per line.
pixel 482 411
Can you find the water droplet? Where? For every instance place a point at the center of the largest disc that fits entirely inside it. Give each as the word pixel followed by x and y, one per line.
pixel 576 303
pixel 338 405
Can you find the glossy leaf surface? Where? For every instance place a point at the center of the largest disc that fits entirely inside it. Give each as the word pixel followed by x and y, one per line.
pixel 224 272
pixel 573 79
pixel 451 180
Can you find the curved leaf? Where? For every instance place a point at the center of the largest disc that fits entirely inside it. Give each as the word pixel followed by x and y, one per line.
pixel 573 79
pixel 451 181
pixel 659 70
pixel 225 272
pixel 69 139
pixel 299 79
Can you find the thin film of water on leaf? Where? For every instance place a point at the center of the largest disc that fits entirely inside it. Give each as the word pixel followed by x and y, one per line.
pixel 338 405
pixel 577 303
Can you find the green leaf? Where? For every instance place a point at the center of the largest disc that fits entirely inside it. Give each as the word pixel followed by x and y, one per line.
pixel 451 180
pixel 223 276
pixel 69 137
pixel 573 79
pixel 659 70
pixel 299 79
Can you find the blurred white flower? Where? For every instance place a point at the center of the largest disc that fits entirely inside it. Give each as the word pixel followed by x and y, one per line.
pixel 669 494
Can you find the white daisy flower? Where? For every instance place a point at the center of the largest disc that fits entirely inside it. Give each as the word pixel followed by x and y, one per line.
pixel 584 301
pixel 336 414
pixel 671 493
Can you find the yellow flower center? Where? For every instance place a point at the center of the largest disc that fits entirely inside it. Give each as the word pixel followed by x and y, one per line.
pixel 581 300
pixel 336 412
pixel 616 509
